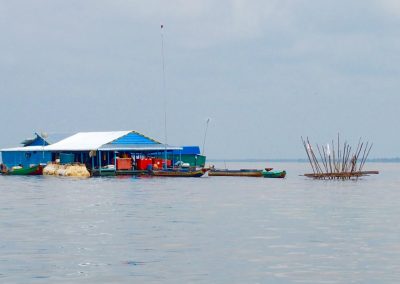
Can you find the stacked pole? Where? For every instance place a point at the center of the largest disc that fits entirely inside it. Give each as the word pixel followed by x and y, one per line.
pixel 344 163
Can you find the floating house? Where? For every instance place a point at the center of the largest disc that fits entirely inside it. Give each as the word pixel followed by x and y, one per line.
pixel 116 152
pixel 31 153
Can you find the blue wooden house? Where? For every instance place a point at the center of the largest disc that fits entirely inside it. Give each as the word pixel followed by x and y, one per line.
pixel 95 149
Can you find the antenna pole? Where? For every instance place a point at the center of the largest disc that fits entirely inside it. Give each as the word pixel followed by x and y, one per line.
pixel 165 98
pixel 205 135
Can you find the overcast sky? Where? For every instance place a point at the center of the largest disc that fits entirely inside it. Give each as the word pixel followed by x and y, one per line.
pixel 266 72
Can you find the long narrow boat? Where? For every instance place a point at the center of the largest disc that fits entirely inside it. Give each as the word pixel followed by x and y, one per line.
pixel 177 173
pixel 235 173
pixel 274 174
pixel 31 171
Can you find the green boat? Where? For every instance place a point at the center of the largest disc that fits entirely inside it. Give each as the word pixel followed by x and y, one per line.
pixel 31 171
pixel 274 174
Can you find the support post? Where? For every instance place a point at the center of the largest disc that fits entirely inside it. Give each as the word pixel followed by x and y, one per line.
pixel 115 161
pixel 99 162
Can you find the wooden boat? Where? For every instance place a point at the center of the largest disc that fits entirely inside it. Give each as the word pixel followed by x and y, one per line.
pixel 235 173
pixel 31 171
pixel 274 174
pixel 178 173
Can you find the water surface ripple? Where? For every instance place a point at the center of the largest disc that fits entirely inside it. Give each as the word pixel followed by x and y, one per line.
pixel 207 230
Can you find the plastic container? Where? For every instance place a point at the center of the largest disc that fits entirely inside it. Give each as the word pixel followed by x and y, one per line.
pixel 143 163
pixel 66 158
pixel 124 164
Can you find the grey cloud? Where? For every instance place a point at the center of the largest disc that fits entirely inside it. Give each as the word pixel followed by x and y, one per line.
pixel 266 72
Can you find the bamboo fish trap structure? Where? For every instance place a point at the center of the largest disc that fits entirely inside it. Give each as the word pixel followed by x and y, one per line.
pixel 338 161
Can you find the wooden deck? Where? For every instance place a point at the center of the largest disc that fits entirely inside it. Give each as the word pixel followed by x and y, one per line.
pixel 96 172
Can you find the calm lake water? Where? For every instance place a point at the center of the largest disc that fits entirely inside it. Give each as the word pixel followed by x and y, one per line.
pixel 207 230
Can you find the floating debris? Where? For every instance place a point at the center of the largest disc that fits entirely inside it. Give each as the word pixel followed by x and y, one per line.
pixel 338 161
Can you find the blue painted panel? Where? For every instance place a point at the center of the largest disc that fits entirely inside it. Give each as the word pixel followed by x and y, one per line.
pixel 188 150
pixel 67 158
pixel 25 159
pixel 134 138
pixel 39 141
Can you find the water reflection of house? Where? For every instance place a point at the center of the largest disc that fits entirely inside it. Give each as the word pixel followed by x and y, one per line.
pixel 101 151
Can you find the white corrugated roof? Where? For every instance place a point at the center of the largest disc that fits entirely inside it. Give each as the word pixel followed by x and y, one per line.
pixel 86 141
pixel 27 149
pixel 82 141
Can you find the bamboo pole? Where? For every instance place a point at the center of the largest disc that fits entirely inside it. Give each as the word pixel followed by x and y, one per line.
pixel 326 159
pixel 322 159
pixel 314 158
pixel 364 153
pixel 308 155
pixel 333 156
pixel 363 162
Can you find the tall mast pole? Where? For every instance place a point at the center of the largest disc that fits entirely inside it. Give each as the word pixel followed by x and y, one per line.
pixel 205 135
pixel 165 98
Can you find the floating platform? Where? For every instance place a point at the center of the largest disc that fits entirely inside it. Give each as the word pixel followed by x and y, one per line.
pixel 337 161
pixel 113 172
pixel 341 175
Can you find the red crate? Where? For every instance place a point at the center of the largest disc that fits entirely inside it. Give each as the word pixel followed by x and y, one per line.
pixel 142 164
pixel 124 164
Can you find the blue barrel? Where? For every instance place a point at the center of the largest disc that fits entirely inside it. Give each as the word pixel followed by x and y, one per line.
pixel 67 158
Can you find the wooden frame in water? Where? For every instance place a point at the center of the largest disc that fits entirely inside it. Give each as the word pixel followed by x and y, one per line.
pixel 338 162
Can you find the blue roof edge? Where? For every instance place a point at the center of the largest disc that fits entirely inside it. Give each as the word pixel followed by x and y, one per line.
pixel 188 150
